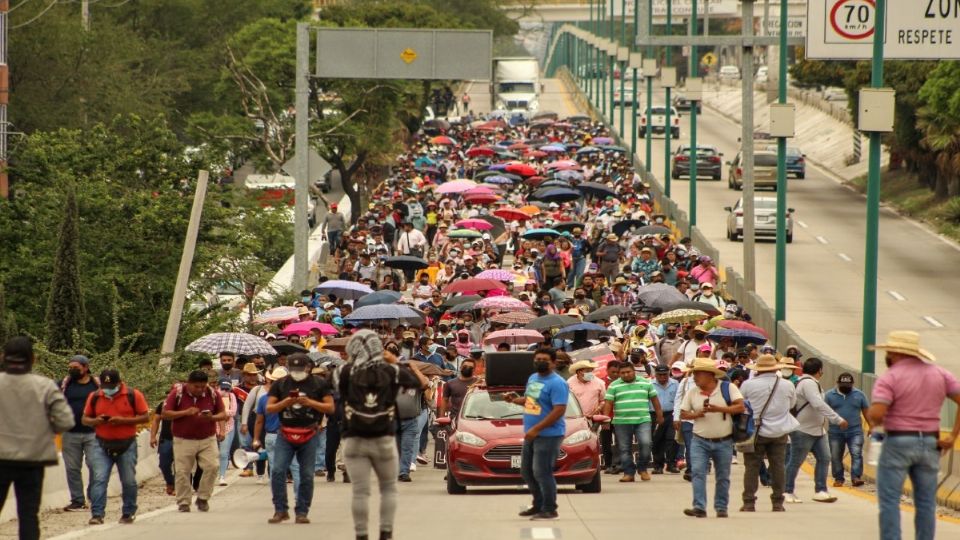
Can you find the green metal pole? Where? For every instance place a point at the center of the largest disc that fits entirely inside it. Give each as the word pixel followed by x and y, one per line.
pixel 633 105
pixel 604 67
pixel 873 203
pixel 649 77
pixel 668 56
pixel 623 65
pixel 780 303
pixel 612 62
pixel 694 71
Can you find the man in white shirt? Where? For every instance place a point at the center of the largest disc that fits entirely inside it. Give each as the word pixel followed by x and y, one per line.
pixel 687 351
pixel 411 242
pixel 776 424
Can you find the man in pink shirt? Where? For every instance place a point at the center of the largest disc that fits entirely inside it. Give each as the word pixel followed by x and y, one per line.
pixel 906 402
pixel 588 389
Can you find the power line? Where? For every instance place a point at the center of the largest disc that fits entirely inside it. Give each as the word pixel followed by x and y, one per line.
pixel 41 14
pixel 18 5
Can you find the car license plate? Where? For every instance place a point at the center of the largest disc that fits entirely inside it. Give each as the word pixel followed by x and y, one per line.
pixel 515 462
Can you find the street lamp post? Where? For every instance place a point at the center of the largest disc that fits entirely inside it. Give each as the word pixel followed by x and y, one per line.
pixel 746 139
pixel 668 56
pixel 693 72
pixel 649 77
pixel 780 303
pixel 633 108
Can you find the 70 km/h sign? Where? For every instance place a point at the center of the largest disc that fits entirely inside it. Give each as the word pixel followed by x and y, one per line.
pixel 915 29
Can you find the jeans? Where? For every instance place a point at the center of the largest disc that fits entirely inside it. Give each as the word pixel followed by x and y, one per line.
pixel 537 461
pixel 379 454
pixel 686 429
pixel 165 451
pixel 852 439
pixel 625 435
pixel 270 444
pixel 801 445
pixel 664 444
pixel 919 458
pixel 576 270
pixel 246 442
pixel 333 241
pixel 321 463
pixel 774 449
pixel 27 487
pixel 76 447
pixel 332 444
pixel 224 447
pixel 424 431
pixel 701 452
pixel 127 470
pixel 283 454
pixel 408 440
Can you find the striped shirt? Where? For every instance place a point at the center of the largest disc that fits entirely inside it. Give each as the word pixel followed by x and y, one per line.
pixel 631 401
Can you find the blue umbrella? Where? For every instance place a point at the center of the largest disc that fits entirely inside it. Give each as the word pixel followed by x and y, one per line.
pixel 568 175
pixel 593 330
pixel 424 161
pixel 497 179
pixel 556 147
pixel 539 234
pixel 389 312
pixel 588 150
pixel 610 148
pixel 555 183
pixel 348 290
pixel 379 297
pixel 740 336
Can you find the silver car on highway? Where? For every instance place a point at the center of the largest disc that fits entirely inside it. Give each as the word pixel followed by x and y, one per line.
pixel 764 219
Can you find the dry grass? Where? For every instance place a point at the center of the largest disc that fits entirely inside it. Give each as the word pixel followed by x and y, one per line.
pixel 901 191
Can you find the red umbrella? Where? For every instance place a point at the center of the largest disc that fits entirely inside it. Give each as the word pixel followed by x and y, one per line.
pixel 511 214
pixel 522 169
pixel 443 139
pixel 563 164
pixel 518 146
pixel 480 151
pixel 741 325
pixel 473 285
pixel 481 198
pixel 536 154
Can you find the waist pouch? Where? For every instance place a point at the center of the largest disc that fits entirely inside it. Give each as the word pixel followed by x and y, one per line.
pixel 298 435
pixel 114 448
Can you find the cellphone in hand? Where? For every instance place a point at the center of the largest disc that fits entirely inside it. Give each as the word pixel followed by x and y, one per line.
pixel 105 417
pixel 206 411
pixel 294 393
pixel 706 402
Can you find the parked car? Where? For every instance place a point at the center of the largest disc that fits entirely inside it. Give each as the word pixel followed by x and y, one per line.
pixel 835 94
pixel 627 98
pixel 762 74
pixel 764 170
pixel 658 120
pixel 730 73
pixel 485 445
pixel 764 219
pixel 708 161
pixel 681 103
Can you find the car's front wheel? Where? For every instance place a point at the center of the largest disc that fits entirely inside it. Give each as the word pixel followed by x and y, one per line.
pixel 593 486
pixel 453 488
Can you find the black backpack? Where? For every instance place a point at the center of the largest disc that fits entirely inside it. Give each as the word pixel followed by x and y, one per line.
pixel 370 400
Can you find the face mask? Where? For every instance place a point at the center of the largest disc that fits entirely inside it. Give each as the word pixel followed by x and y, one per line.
pixel 110 392
pixel 393 350
pixel 462 339
pixel 298 375
pixel 671 335
pixel 624 288
pixel 467 372
pixel 543 366
pixel 408 341
pixel 786 372
pixel 698 336
pixel 227 367
pixel 845 389
pixel 587 377
pixel 444 329
pixel 305 299
pixel 580 296
pixel 76 373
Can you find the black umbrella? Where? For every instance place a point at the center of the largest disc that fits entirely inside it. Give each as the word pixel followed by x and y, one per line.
pixel 455 300
pixel 286 347
pixel 556 194
pixel 546 114
pixel 549 321
pixel 405 262
pixel 653 229
pixel 568 226
pixel 379 297
pixel 709 309
pixel 597 190
pixel 555 183
pixel 578 118
pixel 499 226
pixel 466 306
pixel 659 294
pixel 623 226
pixel 606 312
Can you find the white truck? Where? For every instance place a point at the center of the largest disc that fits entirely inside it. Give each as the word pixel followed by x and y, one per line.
pixel 658 121
pixel 516 84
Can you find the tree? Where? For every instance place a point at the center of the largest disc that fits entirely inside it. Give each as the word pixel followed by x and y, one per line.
pixel 939 121
pixel 65 313
pixel 8 327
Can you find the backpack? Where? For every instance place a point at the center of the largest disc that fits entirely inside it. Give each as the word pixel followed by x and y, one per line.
pixel 796 410
pixel 743 424
pixel 370 407
pixel 131 397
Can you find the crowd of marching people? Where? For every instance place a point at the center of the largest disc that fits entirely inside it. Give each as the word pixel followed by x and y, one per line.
pixel 489 235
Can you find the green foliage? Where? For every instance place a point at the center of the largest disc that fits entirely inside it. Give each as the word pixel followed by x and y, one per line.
pixel 814 73
pixel 65 313
pixel 950 211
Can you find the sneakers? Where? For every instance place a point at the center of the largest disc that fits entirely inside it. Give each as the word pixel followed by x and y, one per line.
pixel 673 470
pixel 543 516
pixel 96 520
pixel 856 482
pixel 261 479
pixel 413 467
pixel 127 519
pixel 529 512
pixel 791 498
pixel 302 518
pixel 278 517
pixel 627 478
pixel 824 497
pixel 203 506
pixel 695 512
pixel 75 507
pixel 185 508
pixel 404 478
pixel 222 480
pixel 645 476
pixel 422 459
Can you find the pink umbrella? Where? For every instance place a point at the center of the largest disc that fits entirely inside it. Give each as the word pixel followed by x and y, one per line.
pixel 456 186
pixel 278 315
pixel 563 164
pixel 514 336
pixel 476 224
pixel 498 274
pixel 305 327
pixel 479 190
pixel 501 303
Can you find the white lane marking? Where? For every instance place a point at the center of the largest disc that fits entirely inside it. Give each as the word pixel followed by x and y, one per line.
pixel 802 224
pixel 542 533
pixel 897 296
pixel 822 240
pixel 933 322
pixel 844 256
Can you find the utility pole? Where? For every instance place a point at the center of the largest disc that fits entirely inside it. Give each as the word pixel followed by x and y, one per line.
pixel 4 98
pixel 633 108
pixel 301 233
pixel 648 135
pixel 623 64
pixel 668 57
pixel 746 140
pixel 694 72
pixel 780 303
pixel 85 14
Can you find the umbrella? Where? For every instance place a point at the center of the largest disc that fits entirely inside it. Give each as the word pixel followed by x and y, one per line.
pixel 499 226
pixel 379 297
pixel 511 214
pixel 622 227
pixel 286 347
pixel 522 169
pixel 443 140
pixel 568 226
pixel 563 164
pixel 466 306
pixel 462 299
pixel 554 148
pixel 498 179
pixel 278 315
pixel 606 312
pixel 551 321
pixel 556 182
pixel 236 342
pixel 603 140
pixel 498 274
pixel 430 370
pixel 612 148
pixel 530 210
pixel 577 118
pixel 568 174
pixel 389 312
pixel 305 327
pixel 518 146
pixel 556 194
pixel 679 316
pixel 464 233
pixel 653 229
pixel 547 114
pixel 540 234
pixel 658 294
pixel 337 344
pixel 513 317
pixel 588 150
pixel 348 290
pixel 741 325
pixel 405 262
pixel 473 285
pixel 484 174
pixel 481 198
pixel 535 154
pixel 502 303
pixel 437 123
pixel 514 336
pixel 592 330
pixel 477 224
pixel 455 186
pixel 741 337
pixel 597 190
pixel 481 151
pixel 709 309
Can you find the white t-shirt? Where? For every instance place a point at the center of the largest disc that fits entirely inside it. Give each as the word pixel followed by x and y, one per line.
pixel 714 425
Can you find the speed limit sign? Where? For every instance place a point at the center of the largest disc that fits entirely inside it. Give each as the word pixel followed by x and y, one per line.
pixel 851 20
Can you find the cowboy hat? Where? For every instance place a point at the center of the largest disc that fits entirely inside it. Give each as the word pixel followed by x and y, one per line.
pixel 278 373
pixel 582 364
pixel 904 342
pixel 706 364
pixel 612 237
pixel 620 281
pixel 767 362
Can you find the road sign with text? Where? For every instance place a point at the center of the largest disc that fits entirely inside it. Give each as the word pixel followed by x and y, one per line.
pixel 915 29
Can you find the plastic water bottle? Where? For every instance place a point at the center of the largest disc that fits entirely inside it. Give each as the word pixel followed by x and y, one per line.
pixel 876 446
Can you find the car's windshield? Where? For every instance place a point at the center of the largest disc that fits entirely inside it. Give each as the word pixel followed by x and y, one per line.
pixel 491 406
pixel 765 160
pixel 793 152
pixel 765 203
pixel 516 88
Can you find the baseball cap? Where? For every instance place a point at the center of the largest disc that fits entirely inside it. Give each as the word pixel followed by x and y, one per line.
pixel 109 378
pixel 661 369
pixel 845 378
pixel 80 359
pixel 298 360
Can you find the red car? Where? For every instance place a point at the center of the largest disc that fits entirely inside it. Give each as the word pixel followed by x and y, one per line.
pixel 484 448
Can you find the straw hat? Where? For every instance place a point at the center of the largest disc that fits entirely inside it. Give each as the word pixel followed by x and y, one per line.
pixel 904 342
pixel 706 364
pixel 582 364
pixel 767 362
pixel 612 237
pixel 278 373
